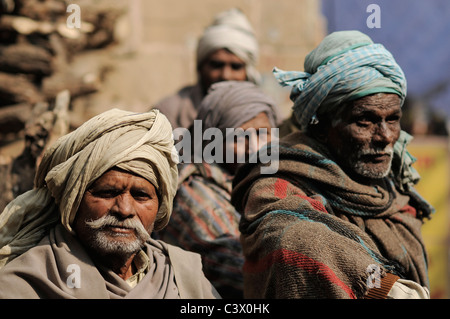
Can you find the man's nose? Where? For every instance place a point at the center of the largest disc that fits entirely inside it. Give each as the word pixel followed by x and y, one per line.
pixel 124 206
pixel 226 73
pixel 384 135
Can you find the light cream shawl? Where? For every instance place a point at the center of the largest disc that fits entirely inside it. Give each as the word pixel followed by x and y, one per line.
pixel 59 267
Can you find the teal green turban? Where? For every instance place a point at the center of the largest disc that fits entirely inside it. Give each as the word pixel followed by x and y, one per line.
pixel 346 65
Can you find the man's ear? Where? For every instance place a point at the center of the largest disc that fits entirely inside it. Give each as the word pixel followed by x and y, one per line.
pixel 320 130
pixel 322 137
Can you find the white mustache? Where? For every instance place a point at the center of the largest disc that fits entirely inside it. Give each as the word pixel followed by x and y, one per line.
pixel 113 221
pixel 376 151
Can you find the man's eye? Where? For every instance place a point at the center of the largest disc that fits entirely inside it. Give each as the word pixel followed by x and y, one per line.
pixel 105 193
pixel 141 195
pixel 237 66
pixel 393 119
pixel 216 64
pixel 363 122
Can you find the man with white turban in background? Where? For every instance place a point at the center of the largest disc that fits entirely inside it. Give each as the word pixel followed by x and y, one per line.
pixel 227 51
pixel 84 230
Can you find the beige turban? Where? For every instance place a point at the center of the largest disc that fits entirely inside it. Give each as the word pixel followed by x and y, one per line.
pixel 231 30
pixel 138 143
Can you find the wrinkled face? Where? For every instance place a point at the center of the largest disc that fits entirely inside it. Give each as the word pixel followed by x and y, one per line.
pixel 363 135
pixel 117 213
pixel 221 65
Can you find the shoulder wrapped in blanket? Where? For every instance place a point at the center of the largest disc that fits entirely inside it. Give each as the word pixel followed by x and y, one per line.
pixel 310 231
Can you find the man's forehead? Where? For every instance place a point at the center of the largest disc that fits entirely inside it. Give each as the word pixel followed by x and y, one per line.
pixel 224 54
pixel 374 102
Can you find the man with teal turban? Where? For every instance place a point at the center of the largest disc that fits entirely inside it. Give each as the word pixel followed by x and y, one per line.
pixel 345 66
pixel 341 217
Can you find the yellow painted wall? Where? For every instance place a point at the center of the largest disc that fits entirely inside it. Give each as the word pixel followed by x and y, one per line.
pixel 433 165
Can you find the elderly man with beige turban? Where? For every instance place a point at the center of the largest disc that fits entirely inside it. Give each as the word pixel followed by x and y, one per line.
pixel 227 51
pixel 83 231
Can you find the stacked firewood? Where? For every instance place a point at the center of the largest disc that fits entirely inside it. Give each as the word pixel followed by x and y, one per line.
pixel 38 43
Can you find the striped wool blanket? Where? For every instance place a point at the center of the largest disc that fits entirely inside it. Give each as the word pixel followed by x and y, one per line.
pixel 310 231
pixel 205 222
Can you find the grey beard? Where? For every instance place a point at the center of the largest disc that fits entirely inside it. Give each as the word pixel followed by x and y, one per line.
pixel 104 244
pixel 361 169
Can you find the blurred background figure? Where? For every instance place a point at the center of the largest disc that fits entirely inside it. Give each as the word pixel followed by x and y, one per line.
pixel 227 51
pixel 204 220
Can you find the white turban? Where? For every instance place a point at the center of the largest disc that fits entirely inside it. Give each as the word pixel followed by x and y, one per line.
pixel 231 30
pixel 140 143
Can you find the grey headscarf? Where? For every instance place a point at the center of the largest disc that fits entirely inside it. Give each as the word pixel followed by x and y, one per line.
pixel 229 104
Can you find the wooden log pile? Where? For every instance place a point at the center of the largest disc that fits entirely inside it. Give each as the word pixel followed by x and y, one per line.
pixel 38 79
